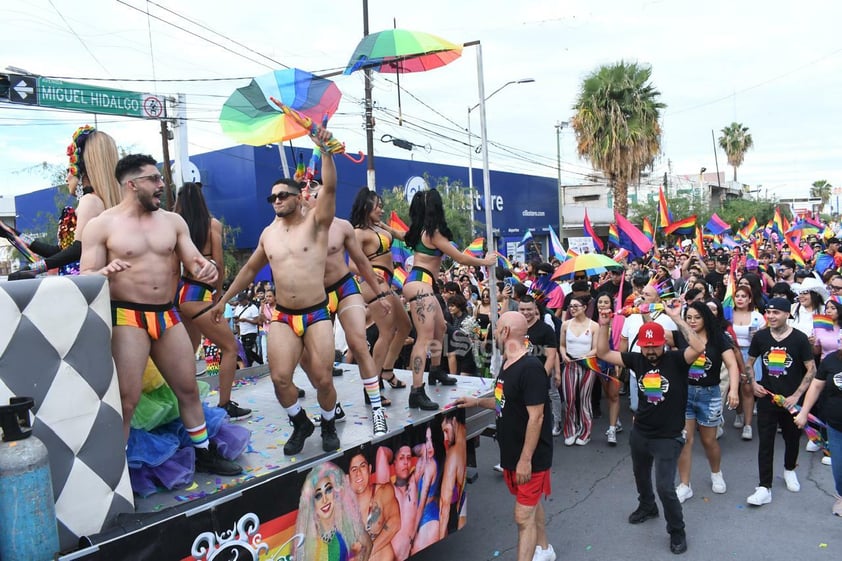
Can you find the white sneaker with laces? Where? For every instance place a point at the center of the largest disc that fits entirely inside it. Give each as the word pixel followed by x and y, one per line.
pixel 569 441
pixel 611 436
pixel 812 446
pixel 717 483
pixel 761 496
pixel 791 480
pixel 548 554
pixel 684 492
pixel 739 421
pixel 826 460
pixel 556 429
pixel 747 433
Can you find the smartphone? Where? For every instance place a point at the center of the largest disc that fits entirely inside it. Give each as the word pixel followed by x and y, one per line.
pixel 509 281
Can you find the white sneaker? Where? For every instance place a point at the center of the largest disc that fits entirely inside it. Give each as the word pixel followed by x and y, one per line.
pixel 498 468
pixel 812 446
pixel 619 426
pixel 791 481
pixel 739 421
pixel 826 460
pixel 569 441
pixel 684 492
pixel 747 433
pixel 717 483
pixel 542 554
pixel 761 496
pixel 611 436
pixel 582 441
pixel 556 430
pixel 719 432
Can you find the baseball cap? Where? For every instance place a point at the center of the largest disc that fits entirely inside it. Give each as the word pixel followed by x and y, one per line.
pixel 781 304
pixel 723 259
pixel 651 334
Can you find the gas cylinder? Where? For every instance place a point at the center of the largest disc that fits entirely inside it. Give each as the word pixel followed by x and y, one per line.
pixel 27 510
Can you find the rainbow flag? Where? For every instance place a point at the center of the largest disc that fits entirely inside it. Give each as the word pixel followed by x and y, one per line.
pixel 652 388
pixel 697 369
pixel 556 247
pixel 749 228
pixel 823 322
pixel 400 251
pixel 728 300
pixel 399 277
pixel 396 223
pixel 804 227
pixel 476 248
pixel 648 229
pixel 598 367
pixel 795 253
pixel 502 261
pixel 752 252
pixel 778 224
pixel 613 235
pixel 664 214
pixel 589 231
pixel 571 253
pixel 716 225
pixel 683 227
pixel 700 244
pixel 776 362
pixel 823 262
pixel 631 238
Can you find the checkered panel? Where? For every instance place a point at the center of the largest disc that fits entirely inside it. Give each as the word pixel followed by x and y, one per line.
pixel 55 346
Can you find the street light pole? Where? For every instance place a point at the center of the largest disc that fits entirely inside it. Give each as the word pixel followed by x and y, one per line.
pixel 560 125
pixel 471 145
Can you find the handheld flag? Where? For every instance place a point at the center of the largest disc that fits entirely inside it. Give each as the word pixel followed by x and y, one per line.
pixel 613 235
pixel 396 223
pixel 795 253
pixel 700 244
pixel 631 238
pixel 823 322
pixel 683 227
pixel 476 248
pixel 556 247
pixel 648 230
pixel 399 278
pixel 526 237
pixel 716 225
pixel 664 214
pixel 589 231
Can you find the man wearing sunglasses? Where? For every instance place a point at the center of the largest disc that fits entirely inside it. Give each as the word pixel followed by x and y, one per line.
pixel 133 244
pixel 295 246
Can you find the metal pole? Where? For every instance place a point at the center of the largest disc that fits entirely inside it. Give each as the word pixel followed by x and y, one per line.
pixel 369 119
pixel 558 128
pixel 167 173
pixel 471 176
pixel 715 158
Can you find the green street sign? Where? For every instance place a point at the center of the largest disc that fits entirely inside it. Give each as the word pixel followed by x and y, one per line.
pixel 59 94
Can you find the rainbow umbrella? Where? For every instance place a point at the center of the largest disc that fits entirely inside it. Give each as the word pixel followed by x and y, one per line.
pixel 591 263
pixel 401 50
pixel 248 116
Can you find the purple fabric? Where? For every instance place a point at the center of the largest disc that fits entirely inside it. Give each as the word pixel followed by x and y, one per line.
pixel 150 449
pixel 177 471
pixel 232 440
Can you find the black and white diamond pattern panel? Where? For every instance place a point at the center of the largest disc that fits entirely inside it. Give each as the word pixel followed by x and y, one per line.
pixel 55 346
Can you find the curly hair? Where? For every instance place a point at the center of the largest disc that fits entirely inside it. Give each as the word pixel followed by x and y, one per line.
pixel 346 513
pixel 364 203
pixel 426 216
pixel 190 204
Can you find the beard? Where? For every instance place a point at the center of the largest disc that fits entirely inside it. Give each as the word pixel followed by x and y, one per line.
pixel 284 212
pixel 148 202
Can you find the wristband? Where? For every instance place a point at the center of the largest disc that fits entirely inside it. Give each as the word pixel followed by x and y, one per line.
pixel 39 266
pixel 381 296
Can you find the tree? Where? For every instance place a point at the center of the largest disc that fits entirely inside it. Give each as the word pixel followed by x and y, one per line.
pixel 736 141
pixel 616 124
pixel 821 189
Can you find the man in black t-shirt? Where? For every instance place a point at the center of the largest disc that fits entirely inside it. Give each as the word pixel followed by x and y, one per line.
pixel 657 435
pixel 788 368
pixel 523 433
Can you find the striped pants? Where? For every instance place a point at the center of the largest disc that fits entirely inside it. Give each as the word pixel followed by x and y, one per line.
pixel 577 382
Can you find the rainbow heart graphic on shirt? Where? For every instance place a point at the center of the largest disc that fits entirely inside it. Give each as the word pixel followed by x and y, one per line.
pixel 776 361
pixel 499 398
pixel 652 386
pixel 697 369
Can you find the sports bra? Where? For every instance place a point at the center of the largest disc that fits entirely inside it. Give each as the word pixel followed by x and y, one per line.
pixel 384 247
pixel 421 248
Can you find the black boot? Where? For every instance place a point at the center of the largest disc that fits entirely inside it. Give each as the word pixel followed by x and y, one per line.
pixel 209 460
pixel 418 399
pixel 303 428
pixel 438 375
pixel 330 440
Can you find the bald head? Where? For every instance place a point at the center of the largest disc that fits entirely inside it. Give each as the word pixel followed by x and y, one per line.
pixel 511 331
pixel 515 322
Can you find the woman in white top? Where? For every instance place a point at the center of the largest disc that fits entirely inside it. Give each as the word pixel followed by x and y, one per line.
pixel 578 340
pixel 746 322
pixel 810 301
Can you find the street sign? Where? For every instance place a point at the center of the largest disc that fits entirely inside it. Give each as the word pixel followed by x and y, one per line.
pixel 59 94
pixel 23 89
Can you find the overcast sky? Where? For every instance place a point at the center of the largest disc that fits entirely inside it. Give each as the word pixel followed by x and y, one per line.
pixel 773 66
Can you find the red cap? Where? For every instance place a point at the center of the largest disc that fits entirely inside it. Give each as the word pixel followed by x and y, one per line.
pixel 651 334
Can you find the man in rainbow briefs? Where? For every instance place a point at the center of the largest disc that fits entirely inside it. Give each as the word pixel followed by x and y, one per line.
pixel 788 368
pixel 657 435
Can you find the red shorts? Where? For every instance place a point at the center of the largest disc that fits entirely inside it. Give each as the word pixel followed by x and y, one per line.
pixel 529 493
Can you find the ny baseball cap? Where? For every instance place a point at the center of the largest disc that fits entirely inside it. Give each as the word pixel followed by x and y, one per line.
pixel 651 334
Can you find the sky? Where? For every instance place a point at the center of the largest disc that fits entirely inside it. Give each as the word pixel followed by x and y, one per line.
pixel 773 66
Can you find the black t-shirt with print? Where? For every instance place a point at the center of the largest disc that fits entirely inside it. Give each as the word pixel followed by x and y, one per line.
pixel 541 336
pixel 782 361
pixel 705 371
pixel 522 383
pixel 830 371
pixel 662 393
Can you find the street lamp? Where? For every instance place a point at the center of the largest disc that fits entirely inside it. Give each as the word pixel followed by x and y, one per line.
pixel 471 147
pixel 558 126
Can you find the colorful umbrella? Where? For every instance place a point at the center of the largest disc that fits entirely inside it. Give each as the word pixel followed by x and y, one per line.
pixel 251 118
pixel 591 263
pixel 401 50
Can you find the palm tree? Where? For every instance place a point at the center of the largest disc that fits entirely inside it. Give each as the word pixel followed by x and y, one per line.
pixel 821 189
pixel 736 141
pixel 616 124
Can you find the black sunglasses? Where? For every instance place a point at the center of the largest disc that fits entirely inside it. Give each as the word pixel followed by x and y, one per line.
pixel 282 196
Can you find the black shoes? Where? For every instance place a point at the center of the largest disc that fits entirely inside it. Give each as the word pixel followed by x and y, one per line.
pixel 300 392
pixel 303 428
pixel 235 412
pixel 208 460
pixel 418 399
pixel 384 401
pixel 678 542
pixel 338 372
pixel 437 375
pixel 330 440
pixel 642 514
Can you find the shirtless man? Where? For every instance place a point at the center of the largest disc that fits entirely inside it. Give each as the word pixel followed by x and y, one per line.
pixel 295 246
pixel 135 245
pixel 406 493
pixel 452 493
pixel 378 507
pixel 347 304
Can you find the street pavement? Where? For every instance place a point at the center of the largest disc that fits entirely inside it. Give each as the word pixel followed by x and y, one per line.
pixel 593 493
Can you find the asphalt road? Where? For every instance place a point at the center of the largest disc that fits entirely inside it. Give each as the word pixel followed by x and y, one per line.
pixel 593 493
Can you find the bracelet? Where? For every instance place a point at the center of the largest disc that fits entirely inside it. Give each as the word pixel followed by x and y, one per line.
pixel 381 296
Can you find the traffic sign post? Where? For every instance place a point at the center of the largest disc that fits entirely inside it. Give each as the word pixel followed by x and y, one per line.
pixel 21 89
pixel 58 94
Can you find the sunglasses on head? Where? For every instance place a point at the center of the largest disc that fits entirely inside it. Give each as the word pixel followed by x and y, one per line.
pixel 282 196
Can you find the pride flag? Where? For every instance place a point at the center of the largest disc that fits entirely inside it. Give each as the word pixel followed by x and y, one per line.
pixel 502 261
pixel 749 229
pixel 716 225
pixel 648 229
pixel 683 227
pixel 526 237
pixel 776 362
pixel 752 252
pixel 700 244
pixel 400 251
pixel 556 247
pixel 598 367
pixel 664 214
pixel 476 247
pixel 823 322
pixel 728 300
pixel 399 277
pixel 613 235
pixel 589 231
pixel 396 223
pixel 778 224
pixel 631 238
pixel 795 253
pixel 823 262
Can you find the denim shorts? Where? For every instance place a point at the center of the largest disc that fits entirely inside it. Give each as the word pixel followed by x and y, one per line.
pixel 704 404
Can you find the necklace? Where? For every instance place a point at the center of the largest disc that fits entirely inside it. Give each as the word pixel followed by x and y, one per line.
pixel 327 537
